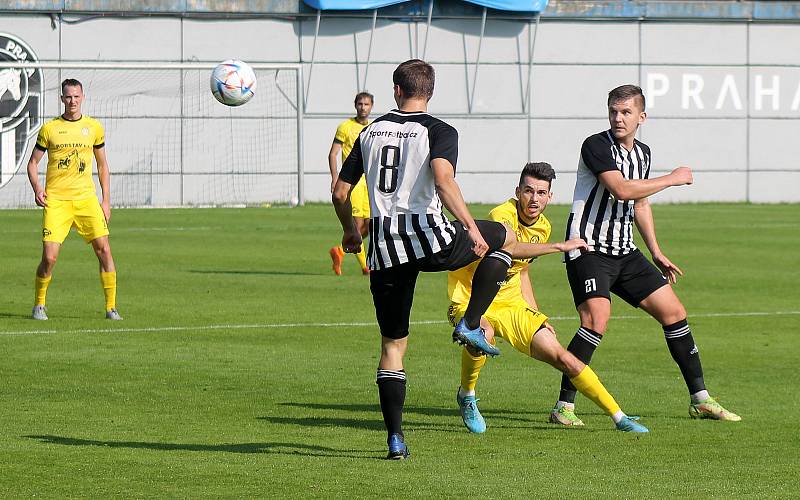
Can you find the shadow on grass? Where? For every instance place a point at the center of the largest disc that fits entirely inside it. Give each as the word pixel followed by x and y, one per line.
pixel 499 419
pixel 274 447
pixel 14 315
pixel 452 425
pixel 517 415
pixel 255 273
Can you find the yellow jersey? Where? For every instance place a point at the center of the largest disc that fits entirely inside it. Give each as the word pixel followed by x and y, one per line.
pixel 70 150
pixel 459 282
pixel 347 133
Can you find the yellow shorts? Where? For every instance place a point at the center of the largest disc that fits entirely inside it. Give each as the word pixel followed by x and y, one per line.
pixel 85 215
pixel 516 322
pixel 359 198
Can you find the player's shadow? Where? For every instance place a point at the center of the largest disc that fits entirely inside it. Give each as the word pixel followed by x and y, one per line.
pixel 246 448
pixel 451 417
pixel 235 272
pixel 14 315
pixel 500 419
pixel 408 409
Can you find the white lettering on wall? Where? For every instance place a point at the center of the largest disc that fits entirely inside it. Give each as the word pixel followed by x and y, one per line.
pixel 796 100
pixel 729 89
pixel 692 86
pixel 761 91
pixel 657 85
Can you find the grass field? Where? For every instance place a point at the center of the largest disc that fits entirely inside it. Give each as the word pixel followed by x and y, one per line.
pixel 246 369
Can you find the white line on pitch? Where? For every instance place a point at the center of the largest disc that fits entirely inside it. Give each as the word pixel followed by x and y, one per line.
pixel 335 325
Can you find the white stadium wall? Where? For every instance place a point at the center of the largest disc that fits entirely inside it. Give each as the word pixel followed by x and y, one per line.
pixel 723 97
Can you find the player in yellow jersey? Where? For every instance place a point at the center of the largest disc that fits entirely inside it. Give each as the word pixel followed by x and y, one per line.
pixel 346 136
pixel 68 197
pixel 514 314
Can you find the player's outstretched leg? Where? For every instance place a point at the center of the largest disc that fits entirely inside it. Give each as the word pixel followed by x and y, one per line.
pixel 545 347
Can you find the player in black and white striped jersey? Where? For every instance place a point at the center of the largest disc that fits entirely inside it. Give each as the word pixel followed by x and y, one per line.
pixel 611 194
pixel 409 159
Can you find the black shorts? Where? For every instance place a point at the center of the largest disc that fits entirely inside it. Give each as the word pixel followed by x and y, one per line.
pixel 631 277
pixel 393 288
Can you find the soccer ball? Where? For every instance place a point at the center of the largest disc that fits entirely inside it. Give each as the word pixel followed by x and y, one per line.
pixel 233 82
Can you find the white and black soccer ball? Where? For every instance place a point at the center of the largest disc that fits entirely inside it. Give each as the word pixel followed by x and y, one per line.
pixel 233 82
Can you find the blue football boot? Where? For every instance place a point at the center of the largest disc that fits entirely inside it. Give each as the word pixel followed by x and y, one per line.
pixel 397 448
pixel 473 338
pixel 628 424
pixel 470 414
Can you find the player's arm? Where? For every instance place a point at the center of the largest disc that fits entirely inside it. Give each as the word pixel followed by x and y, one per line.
pixel 33 176
pixel 104 176
pixel 527 294
pixel 527 288
pixel 352 170
pixel 597 157
pixel 333 154
pixel 635 189
pixel 522 250
pixel 453 200
pixel 643 216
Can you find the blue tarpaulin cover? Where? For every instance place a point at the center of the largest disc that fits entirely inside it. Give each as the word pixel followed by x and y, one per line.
pixel 511 5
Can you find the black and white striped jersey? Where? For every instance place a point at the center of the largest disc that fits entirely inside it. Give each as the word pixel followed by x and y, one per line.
pixel 605 223
pixel 394 152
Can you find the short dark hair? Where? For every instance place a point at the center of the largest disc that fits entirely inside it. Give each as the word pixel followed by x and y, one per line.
pixel 415 78
pixel 625 92
pixel 70 82
pixel 538 170
pixel 362 95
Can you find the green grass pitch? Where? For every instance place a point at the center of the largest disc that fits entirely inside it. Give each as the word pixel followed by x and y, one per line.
pixel 246 369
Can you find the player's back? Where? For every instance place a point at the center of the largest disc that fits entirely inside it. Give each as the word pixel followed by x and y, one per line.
pixel 407 219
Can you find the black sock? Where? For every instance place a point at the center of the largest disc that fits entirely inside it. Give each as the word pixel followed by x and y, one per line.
pixel 582 346
pixel 686 355
pixel 488 277
pixel 392 393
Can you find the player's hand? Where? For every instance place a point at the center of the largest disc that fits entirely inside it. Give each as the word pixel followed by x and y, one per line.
pixel 550 327
pixel 570 245
pixel 351 241
pixel 106 206
pixel 670 270
pixel 41 198
pixel 333 183
pixel 479 247
pixel 681 176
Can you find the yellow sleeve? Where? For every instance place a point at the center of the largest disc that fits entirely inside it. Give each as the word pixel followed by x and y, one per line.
pixel 505 214
pixel 42 138
pixel 99 135
pixel 341 133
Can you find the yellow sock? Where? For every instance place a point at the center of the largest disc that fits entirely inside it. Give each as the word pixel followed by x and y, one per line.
pixel 590 386
pixel 470 369
pixel 362 256
pixel 40 288
pixel 109 282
